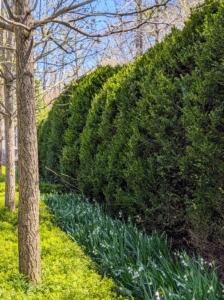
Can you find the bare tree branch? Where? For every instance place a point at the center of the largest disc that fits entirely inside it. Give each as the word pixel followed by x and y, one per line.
pixel 6 26
pixel 8 112
pixel 7 48
pixel 70 8
pixel 13 23
pixel 8 70
pixel 34 6
pixel 60 175
pixel 41 41
pixel 11 14
pixel 45 36
pixel 3 113
pixel 60 46
pixel 109 32
pixel 61 12
pixel 44 54
pixel 2 75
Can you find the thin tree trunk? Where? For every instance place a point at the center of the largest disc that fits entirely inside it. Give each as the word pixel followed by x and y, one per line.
pixel 9 148
pixel 1 139
pixel 28 226
pixel 9 127
pixel 139 33
pixel 2 97
pixel 157 26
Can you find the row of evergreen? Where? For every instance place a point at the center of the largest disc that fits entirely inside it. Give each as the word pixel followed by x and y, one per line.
pixel 148 138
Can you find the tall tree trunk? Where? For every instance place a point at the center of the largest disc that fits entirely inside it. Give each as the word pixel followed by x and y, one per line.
pixel 2 97
pixel 9 126
pixel 9 147
pixel 1 139
pixel 28 227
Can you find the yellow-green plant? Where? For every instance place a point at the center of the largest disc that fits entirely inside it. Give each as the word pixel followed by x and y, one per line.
pixel 67 273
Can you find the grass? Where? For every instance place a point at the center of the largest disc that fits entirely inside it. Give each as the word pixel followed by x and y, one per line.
pixel 143 266
pixel 67 273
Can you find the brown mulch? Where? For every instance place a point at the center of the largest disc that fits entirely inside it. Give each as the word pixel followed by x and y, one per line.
pixel 210 251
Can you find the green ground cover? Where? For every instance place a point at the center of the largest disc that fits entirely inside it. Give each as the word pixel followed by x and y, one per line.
pixel 67 273
pixel 143 266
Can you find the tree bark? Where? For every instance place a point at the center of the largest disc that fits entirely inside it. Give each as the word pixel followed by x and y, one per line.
pixel 9 148
pixel 1 139
pixel 139 33
pixel 2 97
pixel 9 126
pixel 28 226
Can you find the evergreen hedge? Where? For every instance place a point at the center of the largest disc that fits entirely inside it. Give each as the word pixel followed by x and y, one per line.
pixel 81 100
pixel 150 141
pixel 50 132
pixel 55 134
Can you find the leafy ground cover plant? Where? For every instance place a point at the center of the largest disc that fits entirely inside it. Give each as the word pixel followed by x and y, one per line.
pixel 67 273
pixel 143 266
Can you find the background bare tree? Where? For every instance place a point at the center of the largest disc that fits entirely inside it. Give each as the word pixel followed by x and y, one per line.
pixel 156 24
pixel 7 74
pixel 1 142
pixel 9 116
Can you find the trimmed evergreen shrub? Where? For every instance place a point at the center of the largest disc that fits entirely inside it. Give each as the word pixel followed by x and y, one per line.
pixel 82 97
pixel 74 101
pixel 134 138
pixel 203 120
pixel 102 123
pixel 50 136
pixel 150 141
pixel 42 136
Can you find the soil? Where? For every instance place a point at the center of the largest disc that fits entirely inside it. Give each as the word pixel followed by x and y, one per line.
pixel 210 251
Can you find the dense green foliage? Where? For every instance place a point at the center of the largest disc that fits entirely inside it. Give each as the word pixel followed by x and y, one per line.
pixel 80 105
pixel 67 273
pixel 108 118
pixel 40 105
pixel 47 188
pixel 50 132
pixel 142 265
pixel 150 142
pixel 203 120
pixel 74 103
